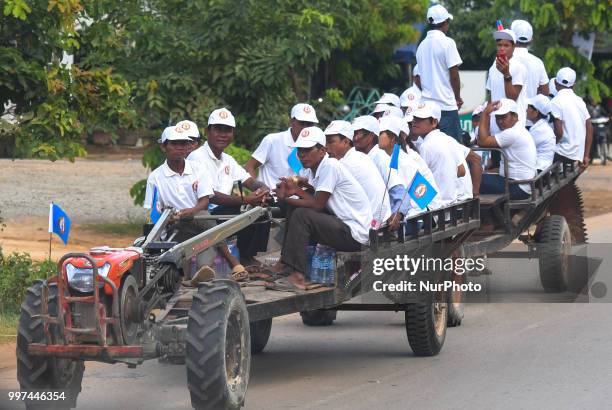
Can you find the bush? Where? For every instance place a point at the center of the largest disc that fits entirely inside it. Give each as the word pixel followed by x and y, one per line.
pixel 17 273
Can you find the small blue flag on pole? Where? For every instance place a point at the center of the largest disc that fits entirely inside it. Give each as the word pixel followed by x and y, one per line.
pixel 395 157
pixel 294 161
pixel 421 191
pixel 155 211
pixel 59 222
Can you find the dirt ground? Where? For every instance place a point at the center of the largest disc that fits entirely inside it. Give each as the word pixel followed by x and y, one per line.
pixel 96 190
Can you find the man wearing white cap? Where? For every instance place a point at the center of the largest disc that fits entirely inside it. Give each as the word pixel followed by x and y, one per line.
pixel 572 126
pixel 507 76
pixel 537 79
pixel 442 154
pixel 339 145
pixel 389 99
pixel 516 144
pixel 224 171
pixel 273 152
pixel 440 82
pixel 538 108
pixel 335 191
pixel 190 129
pixel 383 110
pixel 365 139
pixel 410 98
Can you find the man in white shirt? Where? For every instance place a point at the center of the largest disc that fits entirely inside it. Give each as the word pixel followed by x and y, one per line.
pixel 339 145
pixel 336 214
pixel 537 79
pixel 440 82
pixel 507 77
pixel 224 171
pixel 572 125
pixel 273 152
pixel 538 109
pixel 365 139
pixel 444 163
pixel 516 144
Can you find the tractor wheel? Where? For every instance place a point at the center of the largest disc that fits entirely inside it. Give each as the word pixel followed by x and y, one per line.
pixel 569 204
pixel 456 298
pixel 318 317
pixel 554 244
pixel 129 309
pixel 218 346
pixel 44 373
pixel 260 333
pixel 426 325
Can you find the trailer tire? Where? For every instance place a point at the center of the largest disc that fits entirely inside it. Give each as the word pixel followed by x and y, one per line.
pixel 554 244
pixel 44 373
pixel 456 298
pixel 218 358
pixel 426 325
pixel 260 334
pixel 318 317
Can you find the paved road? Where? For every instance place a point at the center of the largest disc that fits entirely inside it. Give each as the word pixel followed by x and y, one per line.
pixel 520 355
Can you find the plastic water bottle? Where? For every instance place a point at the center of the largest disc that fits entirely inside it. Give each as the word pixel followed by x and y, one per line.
pixel 323 261
pixel 312 264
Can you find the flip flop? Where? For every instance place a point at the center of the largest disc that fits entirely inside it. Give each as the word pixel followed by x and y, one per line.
pixel 284 285
pixel 204 274
pixel 239 273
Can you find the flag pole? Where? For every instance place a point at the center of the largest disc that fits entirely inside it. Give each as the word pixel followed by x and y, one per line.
pixel 403 198
pixel 50 237
pixel 50 227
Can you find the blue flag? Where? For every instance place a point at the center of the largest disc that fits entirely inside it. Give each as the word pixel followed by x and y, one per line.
pixel 421 191
pixel 155 212
pixel 395 157
pixel 294 161
pixel 59 223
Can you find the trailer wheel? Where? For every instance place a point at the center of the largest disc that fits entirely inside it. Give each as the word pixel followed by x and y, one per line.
pixel 554 244
pixel 260 333
pixel 44 373
pixel 456 298
pixel 426 325
pixel 318 317
pixel 218 340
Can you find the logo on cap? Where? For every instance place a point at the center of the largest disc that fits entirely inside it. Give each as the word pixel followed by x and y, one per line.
pixel 61 223
pixel 179 129
pixel 420 190
pixel 223 115
pixel 185 125
pixel 305 133
pixel 194 186
pixel 307 109
pixel 421 105
pixel 411 96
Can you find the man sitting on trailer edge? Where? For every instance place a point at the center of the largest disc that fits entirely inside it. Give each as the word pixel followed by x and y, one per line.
pixel 336 214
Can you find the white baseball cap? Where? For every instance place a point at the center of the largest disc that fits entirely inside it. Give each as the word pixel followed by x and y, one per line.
pixel 506 105
pixel 409 95
pixel 368 123
pixel 408 117
pixel 427 109
pixel 390 99
pixel 309 137
pixel 304 112
pixel 523 30
pixel 170 134
pixel 392 124
pixel 438 14
pixel 405 128
pixel 222 116
pixel 393 111
pixel 164 135
pixel 479 109
pixel 566 77
pixel 188 128
pixel 340 127
pixel 505 34
pixel 540 103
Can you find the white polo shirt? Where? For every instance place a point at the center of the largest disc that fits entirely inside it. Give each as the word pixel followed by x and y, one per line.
pixel 544 139
pixel 366 174
pixel 179 191
pixel 517 144
pixel 465 187
pixel 495 84
pixel 347 201
pixel 426 172
pixel 272 153
pixel 570 109
pixel 382 160
pixel 223 171
pixel 443 163
pixel 536 72
pixel 438 53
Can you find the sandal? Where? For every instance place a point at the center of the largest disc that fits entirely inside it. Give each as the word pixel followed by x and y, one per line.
pixel 239 273
pixel 204 274
pixel 284 285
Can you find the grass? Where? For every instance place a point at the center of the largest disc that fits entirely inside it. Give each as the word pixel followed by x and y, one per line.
pixel 8 326
pixel 132 227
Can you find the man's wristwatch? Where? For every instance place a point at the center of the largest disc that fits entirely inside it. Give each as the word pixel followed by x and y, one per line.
pixel 508 78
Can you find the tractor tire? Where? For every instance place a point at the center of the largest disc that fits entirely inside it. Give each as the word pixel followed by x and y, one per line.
pixel 318 317
pixel 426 325
pixel 260 333
pixel 569 204
pixel 554 241
pixel 218 358
pixel 456 298
pixel 44 373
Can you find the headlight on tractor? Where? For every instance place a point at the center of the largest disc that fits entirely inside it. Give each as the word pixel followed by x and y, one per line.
pixel 81 279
